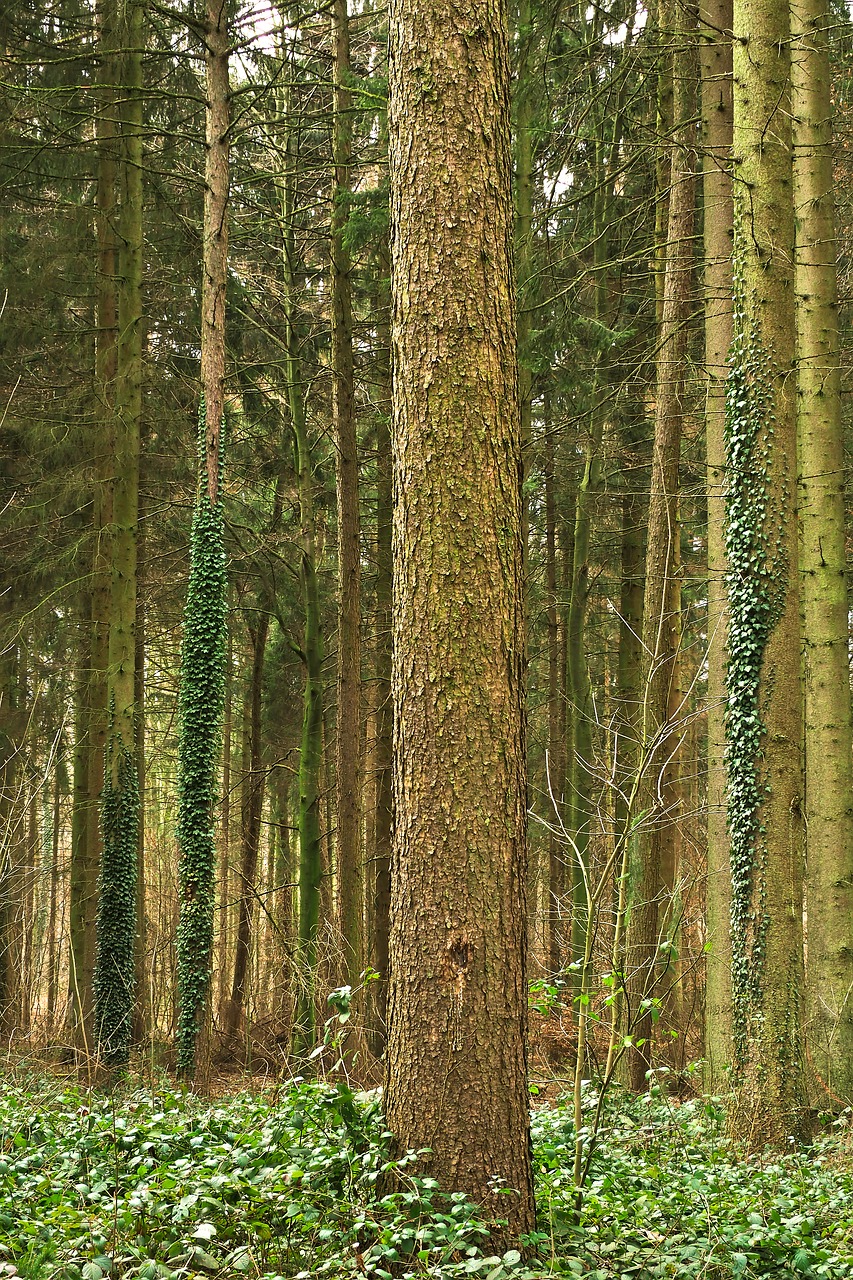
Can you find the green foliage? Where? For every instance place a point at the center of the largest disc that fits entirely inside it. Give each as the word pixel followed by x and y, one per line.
pixel 160 1187
pixel 756 590
pixel 115 982
pixel 668 1196
pixel 201 705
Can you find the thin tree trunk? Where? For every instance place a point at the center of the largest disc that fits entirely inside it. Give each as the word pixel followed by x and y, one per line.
pixel 348 737
pixel 53 907
pixel 141 1008
pixel 311 749
pixel 383 749
pixel 252 806
pixel 716 64
pixel 205 617
pixel 114 967
pixel 661 622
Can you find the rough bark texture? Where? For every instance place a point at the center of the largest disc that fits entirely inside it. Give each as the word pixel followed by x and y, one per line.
pixel 828 759
pixel 348 739
pixel 383 745
pixel 661 620
pixel 114 965
pixel 764 695
pixel 456 1062
pixel 716 64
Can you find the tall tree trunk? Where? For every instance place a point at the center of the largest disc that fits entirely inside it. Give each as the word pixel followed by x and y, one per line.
pixel 556 696
pixel 203 655
pixel 225 908
pixel 382 757
pixel 142 1005
pixel 252 809
pixel 764 706
pixel 114 966
pixel 828 737
pixel 716 65
pixel 53 901
pixel 661 621
pixel 91 711
pixel 459 860
pixel 348 738
pixel 12 826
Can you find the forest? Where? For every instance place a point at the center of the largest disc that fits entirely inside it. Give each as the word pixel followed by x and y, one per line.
pixel 426 746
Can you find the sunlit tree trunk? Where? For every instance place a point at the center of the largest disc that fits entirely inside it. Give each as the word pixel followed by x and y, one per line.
pixel 459 860
pixel 826 669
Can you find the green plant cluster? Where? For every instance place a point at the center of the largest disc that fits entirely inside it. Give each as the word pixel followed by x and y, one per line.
pixel 202 695
pixel 159 1187
pixel 668 1196
pixel 756 591
pixel 115 979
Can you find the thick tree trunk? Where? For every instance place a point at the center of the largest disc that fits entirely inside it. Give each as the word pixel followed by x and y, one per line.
pixel 716 64
pixel 828 746
pixel 764 704
pixel 456 1061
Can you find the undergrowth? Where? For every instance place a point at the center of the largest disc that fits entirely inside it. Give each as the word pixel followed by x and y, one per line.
pixel 164 1187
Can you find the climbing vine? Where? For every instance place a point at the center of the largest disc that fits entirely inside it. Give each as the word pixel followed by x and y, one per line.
pixel 756 582
pixel 114 982
pixel 201 705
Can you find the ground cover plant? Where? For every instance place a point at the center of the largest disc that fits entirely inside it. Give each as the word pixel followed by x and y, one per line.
pixel 159 1185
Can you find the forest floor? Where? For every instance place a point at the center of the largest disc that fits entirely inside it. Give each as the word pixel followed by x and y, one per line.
pixel 286 1182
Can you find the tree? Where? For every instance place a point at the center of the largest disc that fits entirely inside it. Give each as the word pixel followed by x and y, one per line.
pixel 456 1065
pixel 764 695
pixel 114 966
pixel 348 727
pixel 661 606
pixel 715 60
pixel 823 578
pixel 203 658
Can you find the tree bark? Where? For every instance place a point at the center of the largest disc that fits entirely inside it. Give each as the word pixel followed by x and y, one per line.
pixel 252 808
pixel 716 86
pixel 348 738
pixel 661 620
pixel 764 687
pixel 456 1061
pixel 203 654
pixel 823 578
pixel 114 965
